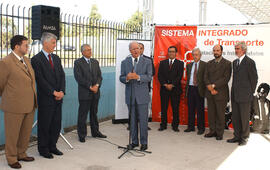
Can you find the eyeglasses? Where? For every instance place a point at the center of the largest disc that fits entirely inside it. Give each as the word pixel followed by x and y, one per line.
pixel 171 51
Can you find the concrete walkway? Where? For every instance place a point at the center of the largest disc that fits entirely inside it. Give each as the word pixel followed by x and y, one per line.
pixel 170 151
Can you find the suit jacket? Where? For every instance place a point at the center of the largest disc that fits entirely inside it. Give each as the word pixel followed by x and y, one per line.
pixel 218 74
pixel 171 76
pixel 86 78
pixel 245 80
pixel 17 85
pixel 48 80
pixel 153 67
pixel 139 89
pixel 199 75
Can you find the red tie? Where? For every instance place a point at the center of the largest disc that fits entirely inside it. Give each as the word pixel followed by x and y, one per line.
pixel 195 75
pixel 170 65
pixel 50 60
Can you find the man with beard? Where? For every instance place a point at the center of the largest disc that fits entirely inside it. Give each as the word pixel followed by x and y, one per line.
pixel 216 78
pixel 19 101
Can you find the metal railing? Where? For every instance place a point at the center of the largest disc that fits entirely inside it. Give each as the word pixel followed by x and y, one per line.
pixel 74 31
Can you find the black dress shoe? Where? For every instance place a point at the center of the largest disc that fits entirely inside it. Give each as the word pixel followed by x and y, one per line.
pixel 242 142
pixel 47 155
pixel 210 135
pixel 27 159
pixel 143 147
pixel 189 130
pixel 162 128
pixel 56 152
pixel 175 129
pixel 149 128
pixel 233 140
pixel 265 132
pixel 200 132
pixel 82 140
pixel 99 135
pixel 219 137
pixel 132 146
pixel 16 165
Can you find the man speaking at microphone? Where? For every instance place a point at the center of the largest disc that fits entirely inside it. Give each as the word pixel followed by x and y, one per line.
pixel 136 72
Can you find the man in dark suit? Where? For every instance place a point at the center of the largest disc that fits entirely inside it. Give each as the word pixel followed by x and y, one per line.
pixel 195 89
pixel 87 73
pixel 170 73
pixel 136 73
pixel 216 78
pixel 244 83
pixel 50 78
pixel 19 101
pixel 141 45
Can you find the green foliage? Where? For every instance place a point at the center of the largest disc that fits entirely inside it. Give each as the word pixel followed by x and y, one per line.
pixel 95 24
pixel 6 30
pixel 134 24
pixel 136 19
pixel 94 12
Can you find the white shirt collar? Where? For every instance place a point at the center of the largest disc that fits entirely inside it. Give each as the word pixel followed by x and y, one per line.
pixel 46 54
pixel 197 62
pixel 172 60
pixel 241 58
pixel 134 59
pixel 18 57
pixel 86 59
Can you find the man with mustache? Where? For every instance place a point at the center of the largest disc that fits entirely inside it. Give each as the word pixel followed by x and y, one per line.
pixel 216 78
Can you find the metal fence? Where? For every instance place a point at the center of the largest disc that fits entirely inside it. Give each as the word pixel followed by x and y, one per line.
pixel 74 30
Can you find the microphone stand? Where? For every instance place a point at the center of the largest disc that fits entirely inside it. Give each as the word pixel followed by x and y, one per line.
pixel 129 148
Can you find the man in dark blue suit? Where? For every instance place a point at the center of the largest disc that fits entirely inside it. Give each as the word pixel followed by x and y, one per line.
pixel 136 73
pixel 50 78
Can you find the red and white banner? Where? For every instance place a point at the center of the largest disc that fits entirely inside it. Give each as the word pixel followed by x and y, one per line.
pixel 185 38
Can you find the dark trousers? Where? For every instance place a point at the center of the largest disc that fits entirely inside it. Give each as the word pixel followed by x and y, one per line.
pixel 216 115
pixel 165 96
pixel 139 115
pixel 84 107
pixel 240 119
pixel 195 103
pixel 49 126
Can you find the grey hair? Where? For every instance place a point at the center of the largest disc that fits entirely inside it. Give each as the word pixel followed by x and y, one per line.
pixel 133 42
pixel 83 47
pixel 242 44
pixel 196 49
pixel 46 36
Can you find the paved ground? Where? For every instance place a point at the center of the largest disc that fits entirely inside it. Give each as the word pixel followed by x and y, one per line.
pixel 170 151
